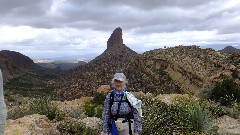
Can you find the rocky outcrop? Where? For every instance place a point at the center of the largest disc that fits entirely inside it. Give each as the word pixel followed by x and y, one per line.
pixel 84 80
pixel 228 126
pixel 115 40
pixel 31 125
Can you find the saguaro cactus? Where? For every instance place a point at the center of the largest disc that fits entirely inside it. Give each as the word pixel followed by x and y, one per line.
pixel 3 109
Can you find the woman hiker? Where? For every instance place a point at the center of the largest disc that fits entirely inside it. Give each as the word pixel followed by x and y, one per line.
pixel 3 109
pixel 121 116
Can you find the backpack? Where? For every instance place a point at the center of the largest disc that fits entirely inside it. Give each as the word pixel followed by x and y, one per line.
pixel 127 117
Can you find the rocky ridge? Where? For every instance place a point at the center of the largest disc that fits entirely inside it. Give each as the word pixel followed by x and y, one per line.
pixel 181 69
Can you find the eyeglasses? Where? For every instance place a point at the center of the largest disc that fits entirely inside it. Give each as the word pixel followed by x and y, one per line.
pixel 117 81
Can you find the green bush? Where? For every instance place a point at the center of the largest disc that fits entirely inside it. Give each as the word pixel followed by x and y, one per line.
pixel 93 110
pixel 18 112
pixel 43 106
pixel 99 98
pixel 216 110
pixel 237 111
pixel 235 73
pixel 89 109
pixel 160 118
pixel 182 118
pixel 226 92
pixel 200 118
pixel 98 111
pixel 74 127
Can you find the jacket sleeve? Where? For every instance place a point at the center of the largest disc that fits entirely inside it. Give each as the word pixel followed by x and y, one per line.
pixel 137 121
pixel 3 109
pixel 106 114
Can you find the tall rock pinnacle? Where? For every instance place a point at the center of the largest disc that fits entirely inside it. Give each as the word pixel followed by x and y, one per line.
pixel 115 39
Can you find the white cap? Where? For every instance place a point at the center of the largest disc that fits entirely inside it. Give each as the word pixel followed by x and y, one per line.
pixel 120 77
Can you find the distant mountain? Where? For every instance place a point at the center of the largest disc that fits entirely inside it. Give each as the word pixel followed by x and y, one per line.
pixel 13 63
pixel 83 80
pixel 23 76
pixel 230 49
pixel 63 65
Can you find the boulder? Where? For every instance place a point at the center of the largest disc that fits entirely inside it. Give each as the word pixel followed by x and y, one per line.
pixel 31 125
pixel 228 126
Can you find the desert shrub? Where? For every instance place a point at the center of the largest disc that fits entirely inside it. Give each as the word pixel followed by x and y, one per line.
pixel 89 109
pixel 182 118
pixel 99 98
pixel 235 73
pixel 226 92
pixel 199 117
pixel 74 112
pixel 43 106
pixel 74 127
pixel 98 111
pixel 93 109
pixel 18 112
pixel 159 118
pixel 237 110
pixel 216 110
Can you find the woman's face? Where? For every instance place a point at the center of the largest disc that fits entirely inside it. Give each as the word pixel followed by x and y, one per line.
pixel 119 85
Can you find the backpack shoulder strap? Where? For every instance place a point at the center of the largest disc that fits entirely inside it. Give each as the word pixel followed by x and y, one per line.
pixel 130 115
pixel 111 102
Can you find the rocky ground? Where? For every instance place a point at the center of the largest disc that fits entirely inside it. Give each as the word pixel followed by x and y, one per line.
pixel 228 126
pixel 39 124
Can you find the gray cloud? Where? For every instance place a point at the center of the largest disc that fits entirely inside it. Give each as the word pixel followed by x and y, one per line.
pixel 166 15
pixel 138 18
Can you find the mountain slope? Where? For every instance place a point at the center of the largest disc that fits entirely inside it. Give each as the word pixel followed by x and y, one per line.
pixel 22 76
pixel 182 69
pixel 83 80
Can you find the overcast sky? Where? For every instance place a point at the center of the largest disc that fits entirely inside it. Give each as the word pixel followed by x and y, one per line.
pixel 59 28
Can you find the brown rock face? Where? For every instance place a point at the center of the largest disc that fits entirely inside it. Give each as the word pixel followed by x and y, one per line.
pixel 115 39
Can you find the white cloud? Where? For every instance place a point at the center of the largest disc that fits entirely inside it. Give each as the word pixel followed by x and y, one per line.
pixel 72 27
